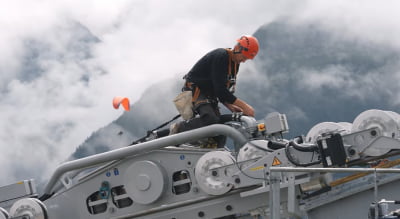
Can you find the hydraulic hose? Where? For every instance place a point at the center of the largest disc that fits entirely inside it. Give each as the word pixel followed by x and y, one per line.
pixel 303 147
pixel 275 145
pixel 292 160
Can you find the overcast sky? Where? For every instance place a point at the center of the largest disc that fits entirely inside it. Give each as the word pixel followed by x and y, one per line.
pixel 45 116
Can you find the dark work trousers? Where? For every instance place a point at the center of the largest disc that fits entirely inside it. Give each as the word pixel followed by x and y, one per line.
pixel 209 114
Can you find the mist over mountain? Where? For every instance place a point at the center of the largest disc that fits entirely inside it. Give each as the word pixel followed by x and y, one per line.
pixel 41 94
pixel 304 70
pixel 314 75
pixel 151 110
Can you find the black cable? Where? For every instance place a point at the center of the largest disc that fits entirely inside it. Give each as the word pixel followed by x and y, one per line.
pixel 291 159
pixel 44 197
pixel 251 177
pixel 308 148
pixel 143 139
pixel 240 169
pixel 166 123
pixel 261 148
pixel 275 145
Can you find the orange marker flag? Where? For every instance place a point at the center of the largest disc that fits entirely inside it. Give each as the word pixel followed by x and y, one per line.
pixel 121 100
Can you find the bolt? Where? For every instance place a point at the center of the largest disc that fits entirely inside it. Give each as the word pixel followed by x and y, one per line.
pixel 201 214
pixel 237 180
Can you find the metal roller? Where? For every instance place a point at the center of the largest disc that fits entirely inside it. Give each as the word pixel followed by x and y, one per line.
pixel 385 121
pixel 347 127
pixel 4 214
pixel 145 181
pixel 252 150
pixel 325 127
pixel 30 208
pixel 395 116
pixel 208 180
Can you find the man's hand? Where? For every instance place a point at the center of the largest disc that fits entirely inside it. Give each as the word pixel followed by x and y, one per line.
pixel 240 106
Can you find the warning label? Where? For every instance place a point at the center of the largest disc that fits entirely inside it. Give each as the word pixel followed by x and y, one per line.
pixel 276 162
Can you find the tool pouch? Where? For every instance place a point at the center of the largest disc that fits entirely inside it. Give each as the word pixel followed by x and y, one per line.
pixel 184 105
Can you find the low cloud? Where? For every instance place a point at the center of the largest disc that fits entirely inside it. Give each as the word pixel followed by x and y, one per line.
pixel 63 61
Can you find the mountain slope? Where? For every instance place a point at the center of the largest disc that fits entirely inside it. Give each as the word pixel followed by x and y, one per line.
pixel 314 75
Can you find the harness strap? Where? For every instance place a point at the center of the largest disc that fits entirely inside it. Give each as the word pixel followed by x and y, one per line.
pixel 195 90
pixel 228 82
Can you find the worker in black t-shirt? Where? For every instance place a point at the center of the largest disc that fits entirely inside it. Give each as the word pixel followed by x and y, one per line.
pixel 212 79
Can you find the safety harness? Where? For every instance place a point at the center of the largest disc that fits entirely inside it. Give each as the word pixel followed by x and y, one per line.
pixel 230 84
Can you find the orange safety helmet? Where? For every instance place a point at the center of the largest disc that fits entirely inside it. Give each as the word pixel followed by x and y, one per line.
pixel 248 46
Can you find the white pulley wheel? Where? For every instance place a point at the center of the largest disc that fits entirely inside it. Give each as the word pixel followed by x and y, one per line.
pixel 385 121
pixel 207 180
pixel 325 127
pixel 31 207
pixel 252 150
pixel 395 116
pixel 4 214
pixel 145 181
pixel 347 126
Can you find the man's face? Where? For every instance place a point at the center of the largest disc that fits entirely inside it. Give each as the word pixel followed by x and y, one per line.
pixel 239 58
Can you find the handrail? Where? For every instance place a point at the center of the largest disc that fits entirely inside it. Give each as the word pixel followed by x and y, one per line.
pixel 117 154
pixel 335 170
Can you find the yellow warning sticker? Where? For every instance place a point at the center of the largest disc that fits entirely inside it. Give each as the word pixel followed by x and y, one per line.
pixel 257 168
pixel 276 162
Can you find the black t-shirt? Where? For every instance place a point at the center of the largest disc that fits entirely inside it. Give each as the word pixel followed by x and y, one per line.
pixel 210 74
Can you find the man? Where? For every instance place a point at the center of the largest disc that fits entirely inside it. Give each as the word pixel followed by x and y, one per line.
pixel 212 79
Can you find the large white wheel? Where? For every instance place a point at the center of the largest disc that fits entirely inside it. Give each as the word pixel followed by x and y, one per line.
pixel 251 151
pixel 385 121
pixel 31 207
pixel 145 181
pixel 325 127
pixel 208 181
pixel 4 214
